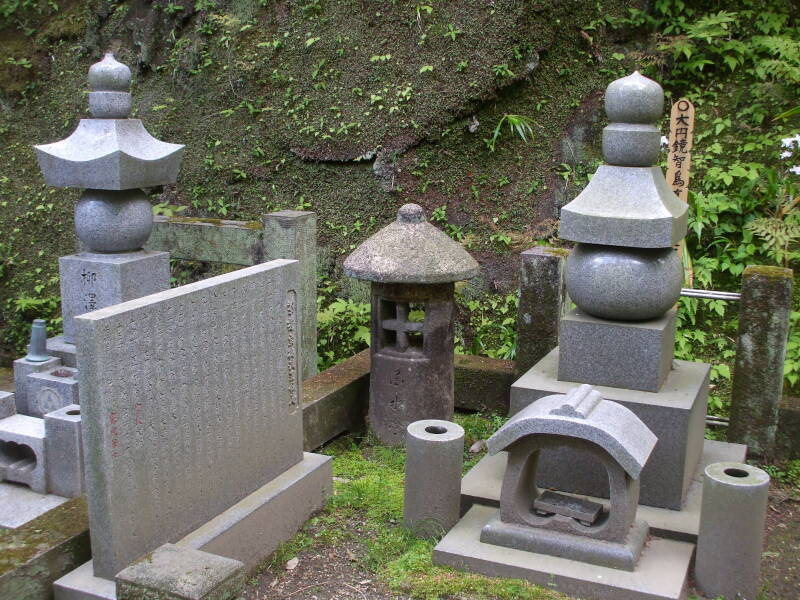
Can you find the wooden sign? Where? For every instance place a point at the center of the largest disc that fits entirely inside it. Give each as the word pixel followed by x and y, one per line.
pixel 681 134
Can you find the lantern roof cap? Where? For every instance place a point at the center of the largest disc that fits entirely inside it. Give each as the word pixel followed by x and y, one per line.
pixel 410 250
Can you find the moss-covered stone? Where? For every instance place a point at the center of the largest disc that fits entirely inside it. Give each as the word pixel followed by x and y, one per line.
pixel 41 551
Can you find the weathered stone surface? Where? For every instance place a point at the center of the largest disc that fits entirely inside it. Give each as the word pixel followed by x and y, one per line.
pixel 64 451
pixel 482 384
pixel 626 284
pixel 634 99
pixel 411 376
pixel 22 457
pixel 284 234
pixel 113 221
pixel 230 412
pixel 787 438
pixel 434 459
pixel 178 573
pixel 631 145
pixel 52 390
pixel 56 346
pixel 91 281
pixel 598 431
pixel 676 415
pixel 764 310
pixel 253 528
pixel 23 368
pixel 336 401
pixel 20 505
pixel 33 556
pixel 109 154
pixel 410 250
pixel 7 405
pixel 625 206
pixel 293 234
pixel 208 240
pixel 482 484
pixel 542 302
pixel 582 413
pixel 630 355
pixel 661 574
pixel 731 530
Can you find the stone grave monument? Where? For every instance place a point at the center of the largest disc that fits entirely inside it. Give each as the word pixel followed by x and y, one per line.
pixel 413 268
pixel 625 277
pixel 111 156
pixel 572 545
pixel 193 430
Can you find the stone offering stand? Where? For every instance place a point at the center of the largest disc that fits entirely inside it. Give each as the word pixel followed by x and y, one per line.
pixel 633 486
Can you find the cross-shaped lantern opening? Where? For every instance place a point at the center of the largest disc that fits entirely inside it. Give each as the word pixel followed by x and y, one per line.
pixel 402 326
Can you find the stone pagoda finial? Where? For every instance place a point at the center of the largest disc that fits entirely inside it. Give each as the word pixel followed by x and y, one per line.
pixel 110 82
pixel 634 105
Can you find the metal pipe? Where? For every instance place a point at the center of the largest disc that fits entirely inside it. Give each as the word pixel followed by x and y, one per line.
pixel 711 295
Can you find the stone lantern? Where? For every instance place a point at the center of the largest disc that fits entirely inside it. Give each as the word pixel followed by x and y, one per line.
pixel 413 268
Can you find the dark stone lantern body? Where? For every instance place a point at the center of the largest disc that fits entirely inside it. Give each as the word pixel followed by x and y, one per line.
pixel 413 268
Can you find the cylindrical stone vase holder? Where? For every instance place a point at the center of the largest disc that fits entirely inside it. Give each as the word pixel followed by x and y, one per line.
pixel 731 535
pixel 434 459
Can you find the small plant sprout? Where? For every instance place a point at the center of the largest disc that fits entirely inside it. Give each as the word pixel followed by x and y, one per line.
pixel 426 69
pixel 452 32
pixel 502 70
pixel 519 125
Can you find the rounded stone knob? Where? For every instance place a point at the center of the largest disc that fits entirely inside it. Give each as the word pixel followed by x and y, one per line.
pixel 624 284
pixel 411 213
pixel 109 75
pixel 634 99
pixel 113 221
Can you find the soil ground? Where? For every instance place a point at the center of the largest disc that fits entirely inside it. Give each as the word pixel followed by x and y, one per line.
pixel 338 571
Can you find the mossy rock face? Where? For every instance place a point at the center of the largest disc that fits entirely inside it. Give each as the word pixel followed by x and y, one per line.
pixel 319 105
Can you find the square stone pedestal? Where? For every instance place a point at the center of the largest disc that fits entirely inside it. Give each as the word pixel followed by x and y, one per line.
pixel 248 531
pixel 676 415
pixel 635 355
pixel 90 281
pixel 661 573
pixel 483 482
pixel 56 346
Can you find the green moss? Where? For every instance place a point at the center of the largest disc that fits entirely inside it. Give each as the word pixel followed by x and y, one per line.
pixel 768 272
pixel 18 546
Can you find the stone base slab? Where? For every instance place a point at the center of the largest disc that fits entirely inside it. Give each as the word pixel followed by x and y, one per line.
pixel 574 547
pixel 20 505
pixel 254 527
pixel 58 347
pixel 635 355
pixel 660 575
pixel 676 415
pixel 481 485
pixel 90 281
pixel 249 531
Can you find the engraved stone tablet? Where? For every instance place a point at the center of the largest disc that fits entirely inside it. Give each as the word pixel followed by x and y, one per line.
pixel 190 401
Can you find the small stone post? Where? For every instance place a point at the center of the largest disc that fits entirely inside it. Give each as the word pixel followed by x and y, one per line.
pixel 434 458
pixel 293 234
pixel 764 310
pixel 542 304
pixel 731 534
pixel 412 267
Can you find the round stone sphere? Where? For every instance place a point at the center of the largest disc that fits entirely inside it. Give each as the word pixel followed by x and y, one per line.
pixel 624 284
pixel 634 99
pixel 113 221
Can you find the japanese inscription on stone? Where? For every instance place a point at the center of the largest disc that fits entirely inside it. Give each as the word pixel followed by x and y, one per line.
pixel 681 134
pixel 189 399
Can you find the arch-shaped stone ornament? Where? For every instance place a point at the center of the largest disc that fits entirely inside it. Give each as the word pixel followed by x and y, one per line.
pixel 567 526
